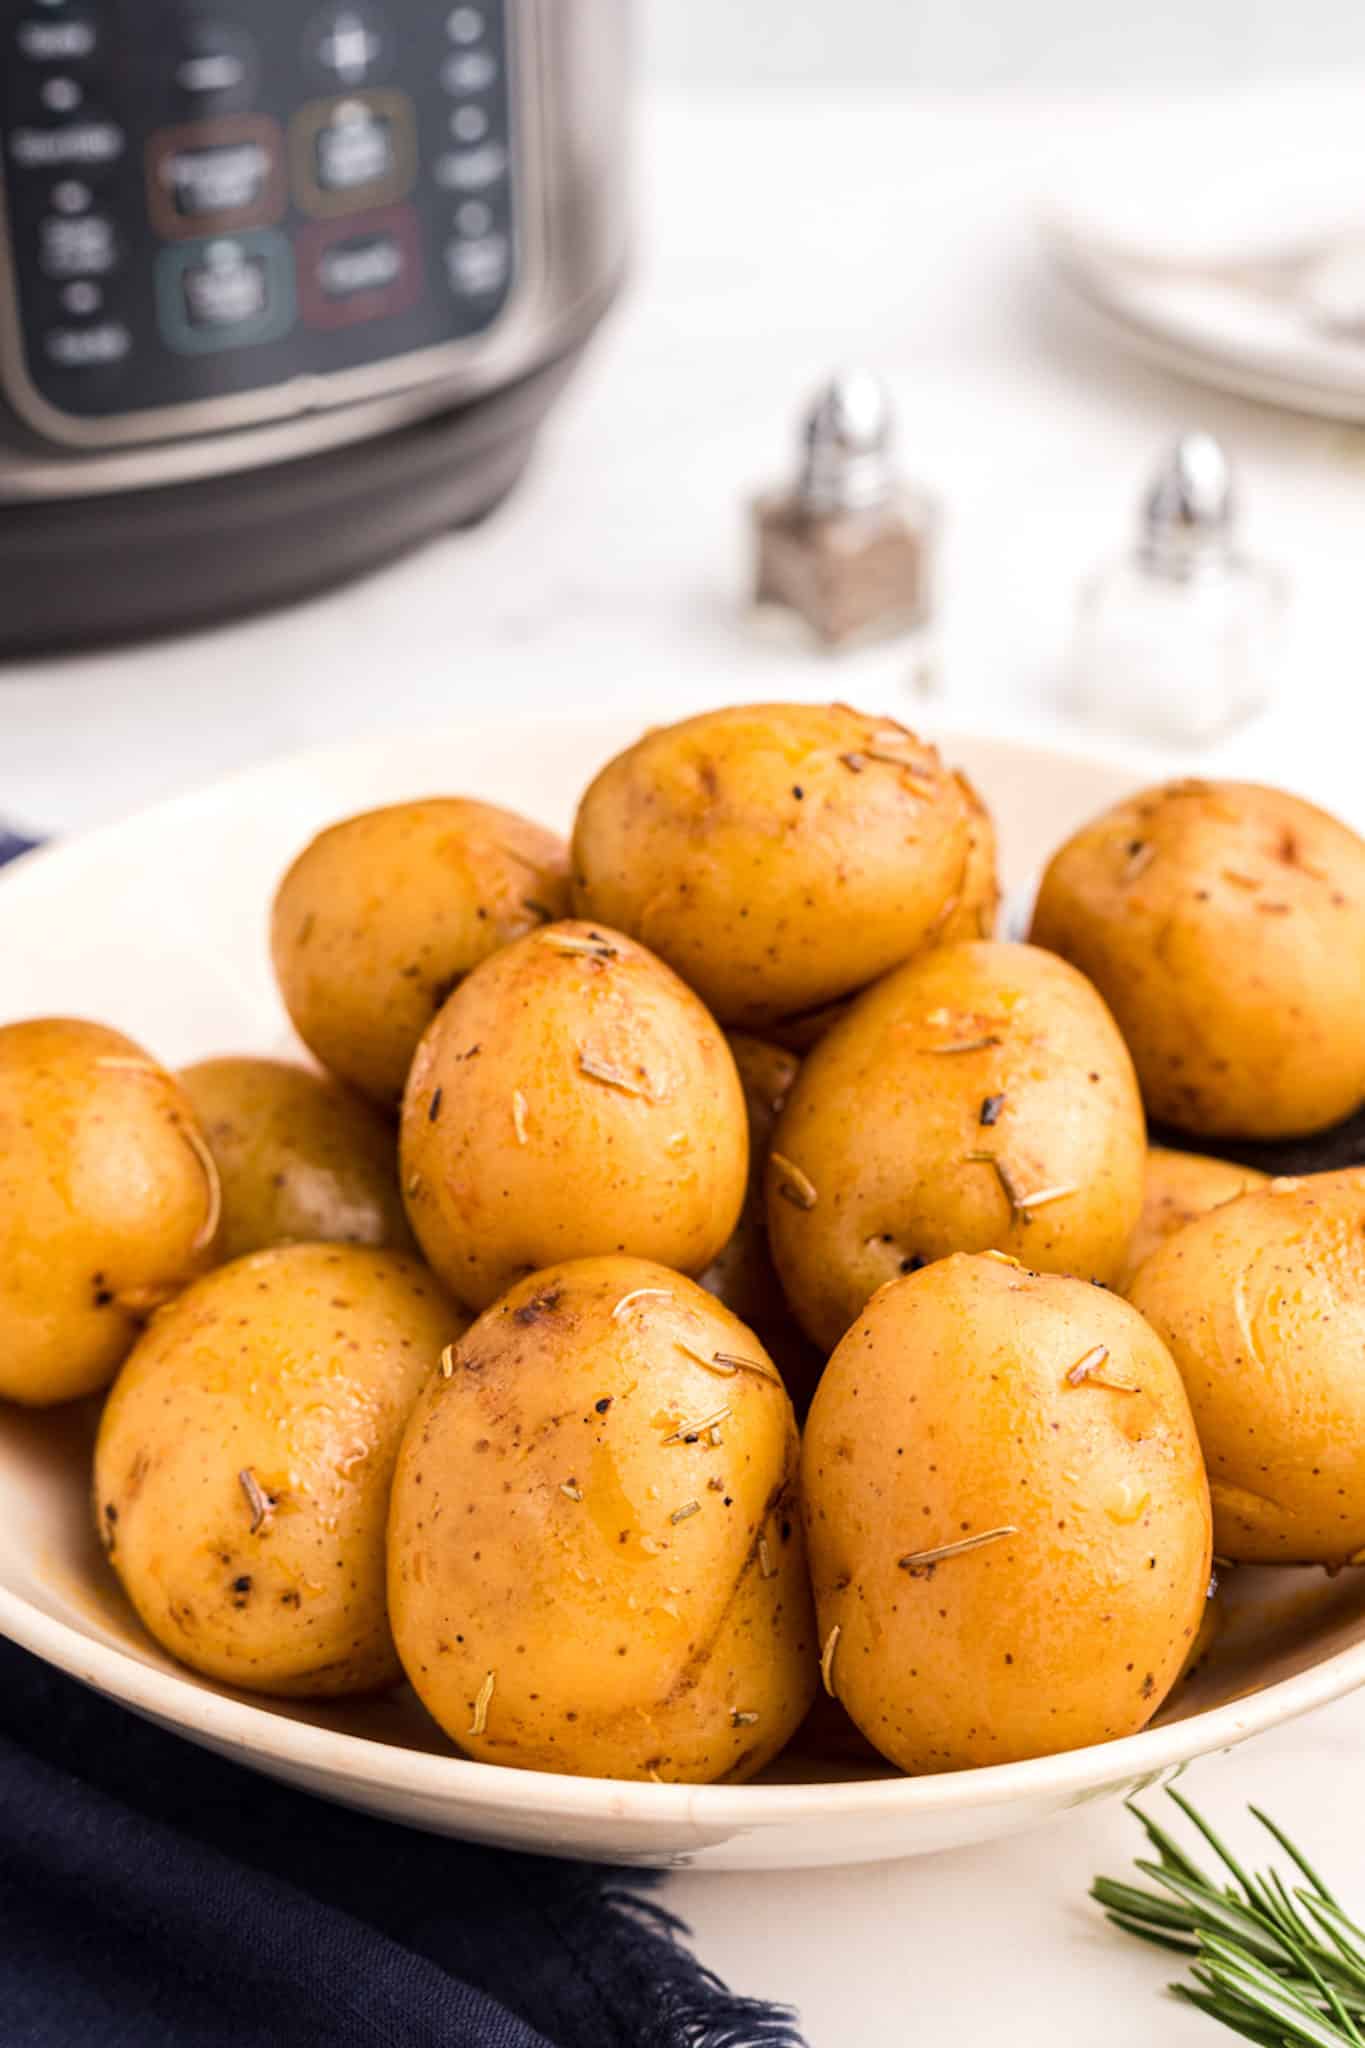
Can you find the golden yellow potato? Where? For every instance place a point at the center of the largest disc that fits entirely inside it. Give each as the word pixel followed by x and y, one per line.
pixel 381 916
pixel 1180 1186
pixel 779 856
pixel 1262 1303
pixel 108 1203
pixel 572 1097
pixel 1007 1516
pixel 245 1457
pixel 979 1097
pixel 1224 924
pixel 300 1158
pixel 974 911
pixel 742 1274
pixel 595 1555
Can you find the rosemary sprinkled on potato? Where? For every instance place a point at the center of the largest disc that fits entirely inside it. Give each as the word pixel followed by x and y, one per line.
pixel 982 1044
pixel 735 1361
pixel 1239 880
pixel 689 1507
pixel 714 1438
pixel 1141 854
pixel 128 1064
pixel 448 1362
pixel 715 1484
pixel 827 1660
pixel 1005 1259
pixel 920 1560
pixel 570 942
pixel 213 1211
pixel 414 1186
pixel 741 1718
pixel 538 909
pixel 435 1109
pixel 793 1185
pixel 767 1568
pixel 257 1499
pixel 639 1294
pixel 989 1112
pixel 481 1700
pixel 598 1069
pixel 1039 1198
pixel 706 1358
pixel 519 1115
pixel 688 1432
pixel 854 762
pixel 571 1490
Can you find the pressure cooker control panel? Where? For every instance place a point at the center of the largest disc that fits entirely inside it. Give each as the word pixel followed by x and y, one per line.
pixel 208 200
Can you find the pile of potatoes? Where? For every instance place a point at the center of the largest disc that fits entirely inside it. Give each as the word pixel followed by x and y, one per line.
pixel 476 1356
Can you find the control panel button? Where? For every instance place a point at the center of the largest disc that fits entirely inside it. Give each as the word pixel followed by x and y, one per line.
pixel 69 195
pixel 465 24
pixel 87 348
pixel 365 268
pixel 469 71
pixel 81 297
pixel 78 143
pixel 354 153
pixel 215 174
pixel 232 292
pixel 346 45
pixel 471 170
pixel 69 37
pixel 79 245
pixel 478 268
pixel 215 67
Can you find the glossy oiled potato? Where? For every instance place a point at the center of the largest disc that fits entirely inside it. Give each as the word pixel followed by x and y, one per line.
pixel 1007 1517
pixel 108 1203
pixel 779 856
pixel 572 1097
pixel 1262 1303
pixel 1224 924
pixel 742 1274
pixel 595 1557
pixel 382 915
pixel 299 1157
pixel 245 1457
pixel 979 1097
pixel 1180 1186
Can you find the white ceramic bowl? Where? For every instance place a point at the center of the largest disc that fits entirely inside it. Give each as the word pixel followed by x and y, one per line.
pixel 159 927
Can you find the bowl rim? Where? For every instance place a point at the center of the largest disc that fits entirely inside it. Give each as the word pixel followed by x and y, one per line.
pixel 235 1723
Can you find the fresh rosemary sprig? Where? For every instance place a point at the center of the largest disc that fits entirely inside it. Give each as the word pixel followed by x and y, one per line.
pixel 1281 1964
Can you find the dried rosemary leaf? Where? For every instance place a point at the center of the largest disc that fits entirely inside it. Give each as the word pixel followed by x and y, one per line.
pixel 767 1569
pixel 213 1210
pixel 448 1362
pixel 918 1560
pixel 639 1294
pixel 598 1069
pixel 257 1499
pixel 688 1432
pixel 482 1698
pixel 688 1508
pixel 519 1115
pixel 570 942
pixel 827 1660
pixel 793 1185
pixel 571 1490
pixel 740 1718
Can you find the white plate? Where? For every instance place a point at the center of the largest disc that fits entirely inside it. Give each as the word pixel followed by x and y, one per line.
pixel 158 926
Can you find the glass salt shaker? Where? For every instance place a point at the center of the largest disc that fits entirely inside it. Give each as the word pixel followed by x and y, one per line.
pixel 1183 638
pixel 848 548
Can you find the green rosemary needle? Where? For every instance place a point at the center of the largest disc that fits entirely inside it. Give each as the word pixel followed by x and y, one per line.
pixel 1279 1963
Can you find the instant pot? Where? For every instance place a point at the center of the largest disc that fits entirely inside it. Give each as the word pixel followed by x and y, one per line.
pixel 284 287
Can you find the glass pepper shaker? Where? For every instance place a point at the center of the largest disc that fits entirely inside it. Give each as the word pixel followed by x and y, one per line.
pixel 1183 638
pixel 848 548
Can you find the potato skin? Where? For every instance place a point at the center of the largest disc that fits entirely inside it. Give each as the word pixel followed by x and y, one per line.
pixel 621 1642
pixel 1224 924
pixel 298 1365
pixel 946 1412
pixel 975 911
pixel 976 1049
pixel 300 1158
pixel 1262 1304
pixel 1180 1186
pixel 108 1202
pixel 572 1098
pixel 773 854
pixel 742 1274
pixel 383 914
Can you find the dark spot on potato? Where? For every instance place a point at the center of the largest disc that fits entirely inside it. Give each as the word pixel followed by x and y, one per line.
pixel 542 1304
pixel 798 792
pixel 435 1109
pixel 1148 1686
pixel 291 1599
pixel 603 1405
pixel 991 1108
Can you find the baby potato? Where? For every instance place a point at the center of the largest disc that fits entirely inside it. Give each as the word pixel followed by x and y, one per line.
pixel 1007 1516
pixel 742 1274
pixel 381 916
pixel 975 910
pixel 1180 1186
pixel 778 856
pixel 108 1203
pixel 1262 1303
pixel 978 1098
pixel 299 1157
pixel 1224 924
pixel 595 1554
pixel 244 1461
pixel 572 1097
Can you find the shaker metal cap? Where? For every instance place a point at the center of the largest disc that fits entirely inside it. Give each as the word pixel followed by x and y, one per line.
pixel 1189 513
pixel 848 434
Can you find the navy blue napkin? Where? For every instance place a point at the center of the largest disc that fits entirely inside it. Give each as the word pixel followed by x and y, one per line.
pixel 155 1896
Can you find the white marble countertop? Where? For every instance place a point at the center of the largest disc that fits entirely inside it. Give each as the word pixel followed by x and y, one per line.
pixel 778 238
